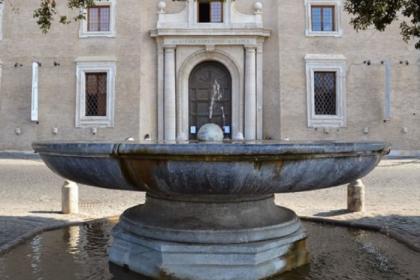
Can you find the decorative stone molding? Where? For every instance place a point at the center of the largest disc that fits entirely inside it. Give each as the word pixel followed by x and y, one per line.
pixel 333 63
pixel 84 33
pixel 204 37
pixel 224 42
pixel 237 88
pixel 187 18
pixel 338 9
pixel 91 66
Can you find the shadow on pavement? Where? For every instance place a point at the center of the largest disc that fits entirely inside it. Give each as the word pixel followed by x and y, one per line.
pixel 405 229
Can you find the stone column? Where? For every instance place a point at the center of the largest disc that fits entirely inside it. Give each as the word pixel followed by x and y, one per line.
pixel 250 94
pixel 356 196
pixel 160 87
pixel 259 79
pixel 169 95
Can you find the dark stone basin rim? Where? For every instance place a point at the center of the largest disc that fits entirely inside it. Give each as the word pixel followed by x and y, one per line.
pixel 203 150
pixel 215 158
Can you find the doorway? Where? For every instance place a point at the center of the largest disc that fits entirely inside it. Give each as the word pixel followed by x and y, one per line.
pixel 210 98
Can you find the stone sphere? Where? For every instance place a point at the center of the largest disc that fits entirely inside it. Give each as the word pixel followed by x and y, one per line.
pixel 210 133
pixel 162 5
pixel 258 6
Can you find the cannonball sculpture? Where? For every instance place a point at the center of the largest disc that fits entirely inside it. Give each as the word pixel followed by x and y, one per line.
pixel 210 133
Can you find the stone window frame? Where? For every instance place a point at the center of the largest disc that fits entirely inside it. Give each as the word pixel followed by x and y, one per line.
pixel 330 63
pixel 1 18
pixel 338 10
pixel 84 33
pixel 83 67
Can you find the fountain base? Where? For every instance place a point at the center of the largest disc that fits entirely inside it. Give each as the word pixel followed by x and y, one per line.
pixel 209 237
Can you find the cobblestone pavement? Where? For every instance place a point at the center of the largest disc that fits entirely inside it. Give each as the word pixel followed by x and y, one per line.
pixel 30 197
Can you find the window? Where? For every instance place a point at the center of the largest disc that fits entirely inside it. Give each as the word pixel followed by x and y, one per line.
pixel 325 93
pixel 323 18
pixel 95 94
pixel 210 11
pixel 100 20
pixel 326 90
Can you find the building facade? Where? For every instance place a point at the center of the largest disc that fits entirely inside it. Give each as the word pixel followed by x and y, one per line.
pixel 269 69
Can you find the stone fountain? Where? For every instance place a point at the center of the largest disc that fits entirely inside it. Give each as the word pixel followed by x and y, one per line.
pixel 209 211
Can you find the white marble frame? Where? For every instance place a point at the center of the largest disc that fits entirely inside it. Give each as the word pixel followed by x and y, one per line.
pixel 1 73
pixel 338 14
pixel 211 52
pixel 35 92
pixel 1 19
pixel 334 63
pixel 84 33
pixel 183 89
pixel 88 67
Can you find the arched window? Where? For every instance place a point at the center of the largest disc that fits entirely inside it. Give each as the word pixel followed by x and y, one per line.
pixel 210 11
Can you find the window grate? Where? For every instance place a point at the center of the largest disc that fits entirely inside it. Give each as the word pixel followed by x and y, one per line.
pixel 325 93
pixel 216 11
pixel 96 94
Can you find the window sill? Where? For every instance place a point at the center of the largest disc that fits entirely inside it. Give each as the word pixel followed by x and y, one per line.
pixel 209 25
pixel 323 34
pixel 97 35
pixel 94 122
pixel 325 122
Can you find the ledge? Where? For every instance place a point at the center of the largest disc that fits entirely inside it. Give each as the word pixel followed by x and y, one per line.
pixel 235 32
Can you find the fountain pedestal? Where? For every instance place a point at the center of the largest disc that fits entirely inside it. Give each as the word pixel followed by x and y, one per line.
pixel 209 237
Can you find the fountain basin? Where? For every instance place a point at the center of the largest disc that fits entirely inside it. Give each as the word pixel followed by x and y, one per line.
pixel 204 168
pixel 209 211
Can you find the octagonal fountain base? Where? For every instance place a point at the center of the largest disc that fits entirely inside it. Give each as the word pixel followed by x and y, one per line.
pixel 209 237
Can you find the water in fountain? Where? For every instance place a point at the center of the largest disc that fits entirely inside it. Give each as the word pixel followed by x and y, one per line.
pixel 80 253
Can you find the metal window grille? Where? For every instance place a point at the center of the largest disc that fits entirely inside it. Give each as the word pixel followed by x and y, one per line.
pixel 96 94
pixel 216 11
pixel 325 98
pixel 323 18
pixel 210 11
pixel 99 18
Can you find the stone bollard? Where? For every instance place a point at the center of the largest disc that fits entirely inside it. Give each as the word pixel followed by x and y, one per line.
pixel 70 198
pixel 356 196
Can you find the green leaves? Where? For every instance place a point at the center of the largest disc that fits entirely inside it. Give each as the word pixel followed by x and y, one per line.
pixel 47 12
pixel 381 13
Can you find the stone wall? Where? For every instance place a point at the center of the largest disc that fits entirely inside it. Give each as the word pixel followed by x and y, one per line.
pixel 136 80
pixel 365 84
